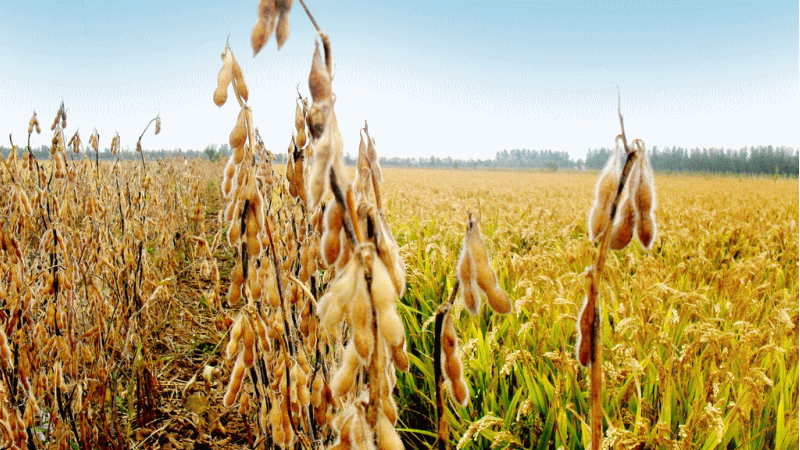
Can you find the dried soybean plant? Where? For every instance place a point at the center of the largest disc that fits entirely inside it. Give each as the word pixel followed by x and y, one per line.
pixel 257 336
pixel 84 276
pixel 360 305
pixel 473 271
pixel 624 205
pixel 319 272
pixel 264 345
pixel 157 120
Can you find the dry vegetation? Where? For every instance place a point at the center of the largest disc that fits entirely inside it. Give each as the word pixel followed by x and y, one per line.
pixel 128 351
pixel 185 304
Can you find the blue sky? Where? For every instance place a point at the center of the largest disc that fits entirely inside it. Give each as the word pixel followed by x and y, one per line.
pixel 462 78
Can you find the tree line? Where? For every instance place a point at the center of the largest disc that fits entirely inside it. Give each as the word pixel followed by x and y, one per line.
pixel 754 160
pixel 765 160
pixel 43 153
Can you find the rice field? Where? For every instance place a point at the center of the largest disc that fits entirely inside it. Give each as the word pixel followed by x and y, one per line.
pixel 700 333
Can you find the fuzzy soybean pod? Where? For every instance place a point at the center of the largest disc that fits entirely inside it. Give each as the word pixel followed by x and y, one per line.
pixel 318 183
pixel 237 374
pixel 319 79
pixel 389 408
pixel 487 281
pixel 24 202
pixel 331 307
pixel 235 289
pixel 265 25
pixel 299 118
pixel 390 325
pixel 248 340
pixel 316 388
pixel 360 318
pixel 645 196
pixel 605 191
pixel 115 142
pixel 259 36
pixel 586 318
pixel 301 139
pixel 282 29
pixel 273 296
pixel 386 383
pixel 321 410
pixel 387 436
pixel 239 85
pixel 267 9
pixel 625 220
pixel 362 181
pixel 299 175
pixel 290 172
pixel 333 223
pixel 239 132
pixel 224 78
pixel 390 254
pixel 344 379
pixel 5 350
pixel 251 228
pixel 326 149
pixel 374 163
pixel 400 356
pixel 283 6
pixel 300 123
pixel 361 434
pixel 301 395
pixel 467 278
pixel 236 333
pixel 452 363
pixel 276 423
pixel 624 223
pixel 34 122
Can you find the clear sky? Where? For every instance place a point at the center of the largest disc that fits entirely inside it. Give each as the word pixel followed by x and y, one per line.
pixel 447 78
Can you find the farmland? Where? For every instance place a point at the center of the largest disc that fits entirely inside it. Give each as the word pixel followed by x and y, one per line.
pixel 704 337
pixel 116 316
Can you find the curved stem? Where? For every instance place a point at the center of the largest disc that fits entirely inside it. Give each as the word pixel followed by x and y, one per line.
pixel 441 316
pixel 141 153
pixel 148 126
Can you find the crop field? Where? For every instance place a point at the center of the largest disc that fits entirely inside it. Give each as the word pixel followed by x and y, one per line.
pixel 308 305
pixel 116 318
pixel 700 332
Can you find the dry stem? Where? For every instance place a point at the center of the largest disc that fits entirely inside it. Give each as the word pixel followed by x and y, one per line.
pixel 596 360
pixel 140 140
pixel 441 315
pixel 313 22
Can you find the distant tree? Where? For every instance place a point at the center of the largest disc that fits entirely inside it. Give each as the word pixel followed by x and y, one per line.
pixel 211 152
pixel 224 151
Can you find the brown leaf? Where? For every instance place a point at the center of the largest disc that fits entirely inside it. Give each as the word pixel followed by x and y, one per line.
pixel 195 404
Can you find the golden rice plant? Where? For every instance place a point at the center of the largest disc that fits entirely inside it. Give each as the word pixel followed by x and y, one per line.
pixel 719 279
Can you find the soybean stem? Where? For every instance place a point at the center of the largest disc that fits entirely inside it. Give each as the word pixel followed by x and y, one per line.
pixel 441 316
pixel 596 375
pixel 313 22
